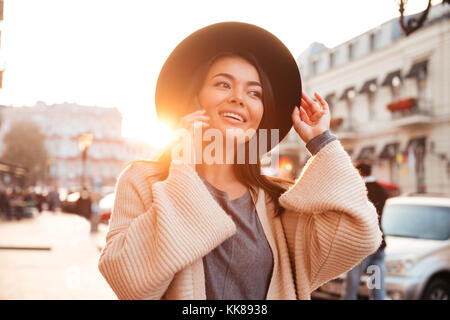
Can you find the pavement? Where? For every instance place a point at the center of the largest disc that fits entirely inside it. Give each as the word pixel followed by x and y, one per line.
pixel 52 256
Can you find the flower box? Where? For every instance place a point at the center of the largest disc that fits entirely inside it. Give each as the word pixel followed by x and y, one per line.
pixel 400 105
pixel 336 122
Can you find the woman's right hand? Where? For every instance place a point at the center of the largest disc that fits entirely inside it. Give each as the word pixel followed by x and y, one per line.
pixel 193 122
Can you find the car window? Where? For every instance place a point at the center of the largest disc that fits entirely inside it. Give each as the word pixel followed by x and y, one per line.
pixel 416 221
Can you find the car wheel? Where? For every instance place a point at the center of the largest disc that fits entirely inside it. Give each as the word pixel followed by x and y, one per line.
pixel 437 289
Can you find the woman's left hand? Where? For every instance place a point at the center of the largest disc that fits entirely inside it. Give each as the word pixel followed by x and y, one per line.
pixel 310 119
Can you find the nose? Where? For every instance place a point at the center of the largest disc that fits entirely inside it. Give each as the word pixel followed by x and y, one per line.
pixel 236 98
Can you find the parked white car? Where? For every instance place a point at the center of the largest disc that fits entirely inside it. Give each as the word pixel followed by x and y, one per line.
pixel 417 230
pixel 105 207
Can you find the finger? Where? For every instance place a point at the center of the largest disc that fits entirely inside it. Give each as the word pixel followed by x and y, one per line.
pixel 296 118
pixel 305 118
pixel 311 103
pixel 192 118
pixel 195 125
pixel 198 112
pixel 193 114
pixel 199 118
pixel 299 124
pixel 315 113
pixel 310 108
pixel 305 105
pixel 322 101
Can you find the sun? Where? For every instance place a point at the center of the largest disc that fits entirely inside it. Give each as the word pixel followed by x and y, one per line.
pixel 155 133
pixel 160 135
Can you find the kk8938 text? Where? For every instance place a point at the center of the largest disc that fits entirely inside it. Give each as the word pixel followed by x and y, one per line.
pixel 246 309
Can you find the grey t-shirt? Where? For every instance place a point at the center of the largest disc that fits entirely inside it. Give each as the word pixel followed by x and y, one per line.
pixel 240 267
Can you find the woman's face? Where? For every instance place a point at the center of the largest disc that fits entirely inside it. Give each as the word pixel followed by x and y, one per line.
pixel 231 94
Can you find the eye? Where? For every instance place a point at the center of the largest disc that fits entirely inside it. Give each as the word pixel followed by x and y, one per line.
pixel 222 84
pixel 256 94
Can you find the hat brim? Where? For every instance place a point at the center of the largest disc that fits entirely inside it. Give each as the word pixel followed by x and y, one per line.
pixel 272 55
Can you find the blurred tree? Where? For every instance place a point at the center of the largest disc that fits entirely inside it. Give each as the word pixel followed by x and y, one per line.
pixel 24 145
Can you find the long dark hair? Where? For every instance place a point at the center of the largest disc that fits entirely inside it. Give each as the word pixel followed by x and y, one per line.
pixel 248 173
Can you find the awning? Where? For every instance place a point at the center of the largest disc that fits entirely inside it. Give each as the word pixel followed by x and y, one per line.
pixel 388 80
pixel 366 86
pixel 345 93
pixel 389 151
pixel 415 142
pixel 366 153
pixel 418 69
pixel 330 97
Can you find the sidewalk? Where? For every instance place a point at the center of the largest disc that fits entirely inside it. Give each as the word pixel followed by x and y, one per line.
pixel 51 256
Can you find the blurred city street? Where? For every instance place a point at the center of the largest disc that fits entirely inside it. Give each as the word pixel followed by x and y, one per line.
pixel 51 256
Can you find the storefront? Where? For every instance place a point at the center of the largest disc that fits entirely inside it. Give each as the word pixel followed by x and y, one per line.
pixel 12 175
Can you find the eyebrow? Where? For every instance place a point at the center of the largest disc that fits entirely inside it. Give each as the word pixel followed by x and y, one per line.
pixel 229 76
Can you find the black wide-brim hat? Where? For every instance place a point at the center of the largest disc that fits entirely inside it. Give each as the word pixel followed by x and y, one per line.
pixel 272 55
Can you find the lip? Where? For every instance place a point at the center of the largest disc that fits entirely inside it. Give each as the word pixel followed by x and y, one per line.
pixel 240 113
pixel 232 121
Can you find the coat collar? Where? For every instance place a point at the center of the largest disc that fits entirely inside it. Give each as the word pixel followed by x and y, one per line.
pixel 263 203
pixel 265 214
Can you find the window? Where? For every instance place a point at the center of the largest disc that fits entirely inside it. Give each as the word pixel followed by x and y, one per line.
pixel 350 51
pixel 331 60
pixel 369 88
pixel 314 67
pixel 372 41
pixel 417 221
pixel 396 85
pixel 419 72
pixel 330 99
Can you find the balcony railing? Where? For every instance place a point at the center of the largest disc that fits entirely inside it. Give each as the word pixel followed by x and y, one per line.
pixel 410 107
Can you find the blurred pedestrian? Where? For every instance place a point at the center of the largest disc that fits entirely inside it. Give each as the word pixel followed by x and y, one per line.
pixel 378 196
pixel 187 229
pixel 84 204
pixel 95 218
pixel 5 206
pixel 30 202
pixel 53 199
pixel 40 199
pixel 18 203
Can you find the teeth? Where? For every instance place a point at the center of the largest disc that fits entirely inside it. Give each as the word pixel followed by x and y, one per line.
pixel 233 115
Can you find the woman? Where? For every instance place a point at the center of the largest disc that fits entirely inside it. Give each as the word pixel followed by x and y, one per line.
pixel 200 230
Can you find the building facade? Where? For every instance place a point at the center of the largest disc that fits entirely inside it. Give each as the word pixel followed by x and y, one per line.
pixel 62 125
pixel 389 99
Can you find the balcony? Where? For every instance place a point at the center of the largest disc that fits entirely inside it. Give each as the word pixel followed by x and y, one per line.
pixel 410 112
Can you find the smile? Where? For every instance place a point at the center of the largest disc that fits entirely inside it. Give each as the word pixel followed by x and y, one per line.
pixel 231 115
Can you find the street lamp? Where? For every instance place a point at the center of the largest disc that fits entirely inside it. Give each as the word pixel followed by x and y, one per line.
pixel 413 23
pixel 84 142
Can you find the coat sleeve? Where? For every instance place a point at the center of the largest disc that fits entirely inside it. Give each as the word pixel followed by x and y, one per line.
pixel 149 241
pixel 336 225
